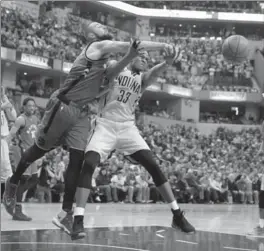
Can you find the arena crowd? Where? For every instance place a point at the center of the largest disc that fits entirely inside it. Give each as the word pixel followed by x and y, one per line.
pixel 218 168
pixel 202 67
pixel 217 6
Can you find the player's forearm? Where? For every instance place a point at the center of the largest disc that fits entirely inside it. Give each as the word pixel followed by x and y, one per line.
pixel 152 46
pixel 118 47
pixel 114 70
pixel 158 69
pixel 11 114
pixel 153 73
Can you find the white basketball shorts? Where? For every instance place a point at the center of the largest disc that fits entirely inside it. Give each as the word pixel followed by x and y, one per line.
pixel 6 169
pixel 108 135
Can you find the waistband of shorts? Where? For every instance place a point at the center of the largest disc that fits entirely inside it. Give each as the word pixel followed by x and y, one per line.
pixel 102 118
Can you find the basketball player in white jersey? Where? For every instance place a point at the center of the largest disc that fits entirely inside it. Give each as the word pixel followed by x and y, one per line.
pixel 65 118
pixel 115 129
pixel 7 113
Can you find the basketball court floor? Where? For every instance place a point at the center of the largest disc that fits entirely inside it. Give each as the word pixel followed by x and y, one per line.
pixel 127 227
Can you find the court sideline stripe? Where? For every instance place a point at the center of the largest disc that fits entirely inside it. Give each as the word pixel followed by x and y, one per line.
pixel 243 249
pixel 73 244
pixel 188 242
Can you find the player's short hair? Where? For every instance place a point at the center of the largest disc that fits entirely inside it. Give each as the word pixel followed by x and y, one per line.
pixel 26 100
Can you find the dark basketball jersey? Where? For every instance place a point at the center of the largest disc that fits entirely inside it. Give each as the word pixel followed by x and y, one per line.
pixel 84 81
pixel 26 134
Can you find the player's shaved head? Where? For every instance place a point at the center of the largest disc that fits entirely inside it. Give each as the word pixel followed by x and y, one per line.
pixel 99 31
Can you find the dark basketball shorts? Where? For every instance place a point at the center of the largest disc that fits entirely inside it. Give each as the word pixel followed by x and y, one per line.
pixel 261 199
pixel 63 125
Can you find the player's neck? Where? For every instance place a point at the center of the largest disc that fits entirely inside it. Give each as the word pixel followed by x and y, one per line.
pixel 135 71
pixel 29 115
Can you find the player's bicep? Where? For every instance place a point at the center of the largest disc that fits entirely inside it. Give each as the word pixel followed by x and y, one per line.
pixel 114 46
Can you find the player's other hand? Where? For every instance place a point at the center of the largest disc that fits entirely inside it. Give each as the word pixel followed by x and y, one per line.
pixel 134 49
pixel 6 103
pixel 172 54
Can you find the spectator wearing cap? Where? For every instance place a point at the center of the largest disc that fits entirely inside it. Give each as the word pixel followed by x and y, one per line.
pixel 103 183
pixel 183 191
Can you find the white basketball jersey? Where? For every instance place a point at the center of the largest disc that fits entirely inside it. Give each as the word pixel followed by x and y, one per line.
pixel 120 102
pixel 4 125
pixel 262 183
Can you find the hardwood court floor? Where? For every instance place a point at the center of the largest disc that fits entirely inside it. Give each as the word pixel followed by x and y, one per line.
pixel 136 227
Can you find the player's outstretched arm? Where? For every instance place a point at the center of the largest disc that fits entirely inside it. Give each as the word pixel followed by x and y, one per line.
pixel 108 46
pixel 171 54
pixel 114 69
pixel 9 109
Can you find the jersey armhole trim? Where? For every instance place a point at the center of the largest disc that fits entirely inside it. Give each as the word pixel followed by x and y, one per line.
pixel 92 60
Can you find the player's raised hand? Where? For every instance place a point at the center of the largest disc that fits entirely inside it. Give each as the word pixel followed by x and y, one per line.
pixel 134 49
pixel 6 103
pixel 172 53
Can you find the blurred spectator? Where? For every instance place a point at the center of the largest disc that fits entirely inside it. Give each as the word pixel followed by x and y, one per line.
pixel 119 187
pixel 43 187
pixel 103 183
pixel 57 182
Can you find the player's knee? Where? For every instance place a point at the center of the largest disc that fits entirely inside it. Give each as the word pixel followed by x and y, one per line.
pixel 145 158
pixel 75 159
pixel 92 159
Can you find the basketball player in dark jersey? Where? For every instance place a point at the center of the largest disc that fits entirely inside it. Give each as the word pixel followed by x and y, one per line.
pixel 65 120
pixel 25 128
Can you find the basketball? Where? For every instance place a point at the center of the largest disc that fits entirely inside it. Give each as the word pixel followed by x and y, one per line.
pixel 235 49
